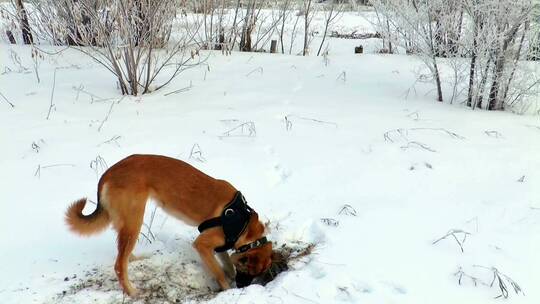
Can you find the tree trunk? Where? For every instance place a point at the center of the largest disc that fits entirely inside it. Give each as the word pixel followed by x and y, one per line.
pixel 438 81
pixel 483 85
pixel 478 25
pixel 472 71
pixel 494 101
pixel 273 46
pixel 516 61
pixel 247 28
pixel 439 43
pixel 435 66
pixel 281 33
pixel 11 37
pixel 390 50
pixel 306 26
pixel 25 25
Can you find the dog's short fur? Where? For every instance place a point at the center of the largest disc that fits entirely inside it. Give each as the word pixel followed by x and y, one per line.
pixel 183 192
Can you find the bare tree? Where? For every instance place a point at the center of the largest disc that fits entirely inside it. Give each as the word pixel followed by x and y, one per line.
pixel 500 31
pixel 493 33
pixel 508 26
pixel 284 10
pixel 331 13
pixel 413 18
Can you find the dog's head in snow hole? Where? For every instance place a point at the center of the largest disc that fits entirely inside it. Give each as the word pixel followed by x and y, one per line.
pixel 251 263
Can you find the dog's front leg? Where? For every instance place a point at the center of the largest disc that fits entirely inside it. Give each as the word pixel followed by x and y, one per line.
pixel 205 245
pixel 228 266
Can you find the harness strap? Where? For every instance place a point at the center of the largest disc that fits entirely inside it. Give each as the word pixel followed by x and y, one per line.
pixel 234 220
pixel 213 222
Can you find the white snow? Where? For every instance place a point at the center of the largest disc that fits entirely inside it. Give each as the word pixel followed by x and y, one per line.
pixel 314 141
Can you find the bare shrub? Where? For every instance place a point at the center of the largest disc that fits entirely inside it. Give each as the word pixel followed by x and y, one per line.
pixel 132 39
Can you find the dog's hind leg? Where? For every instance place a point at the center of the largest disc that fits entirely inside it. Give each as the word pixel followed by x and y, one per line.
pixel 227 264
pixel 128 233
pixel 127 238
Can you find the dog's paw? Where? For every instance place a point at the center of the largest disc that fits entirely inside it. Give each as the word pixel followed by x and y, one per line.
pixel 224 285
pixel 133 258
pixel 133 293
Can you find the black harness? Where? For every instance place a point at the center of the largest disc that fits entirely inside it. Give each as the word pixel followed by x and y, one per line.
pixel 234 220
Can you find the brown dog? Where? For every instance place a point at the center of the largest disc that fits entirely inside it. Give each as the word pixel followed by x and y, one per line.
pixel 185 193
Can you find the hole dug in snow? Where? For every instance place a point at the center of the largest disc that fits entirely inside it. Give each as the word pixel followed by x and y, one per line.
pixel 166 278
pixel 282 258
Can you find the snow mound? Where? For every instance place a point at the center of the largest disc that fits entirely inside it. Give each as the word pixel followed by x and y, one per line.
pixel 168 278
pixel 160 278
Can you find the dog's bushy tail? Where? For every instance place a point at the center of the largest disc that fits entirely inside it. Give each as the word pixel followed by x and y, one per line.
pixel 86 225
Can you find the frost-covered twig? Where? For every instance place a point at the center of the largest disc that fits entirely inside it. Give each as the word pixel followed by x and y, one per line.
pixel 502 281
pixel 533 127
pixel 417 144
pixel 342 76
pixel 108 113
pixel 414 115
pixel 93 97
pixel 288 121
pixel 37 173
pixel 6 100
pixel 36 57
pixel 99 165
pixel 450 133
pixel 259 69
pixel 184 89
pixel 16 60
pixel 460 274
pixel 347 210
pixel 150 237
pixel 196 153
pixel 330 221
pixel 493 133
pixel 454 233
pixel 391 134
pixel 248 127
pixel 52 94
pixel 113 139
pixel 412 88
pixel 402 134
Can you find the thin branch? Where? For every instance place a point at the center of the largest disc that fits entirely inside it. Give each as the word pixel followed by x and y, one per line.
pixel 184 89
pixel 6 100
pixel 417 144
pixel 52 94
pixel 108 113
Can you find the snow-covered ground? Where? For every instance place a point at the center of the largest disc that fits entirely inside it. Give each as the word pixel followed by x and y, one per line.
pixel 333 153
